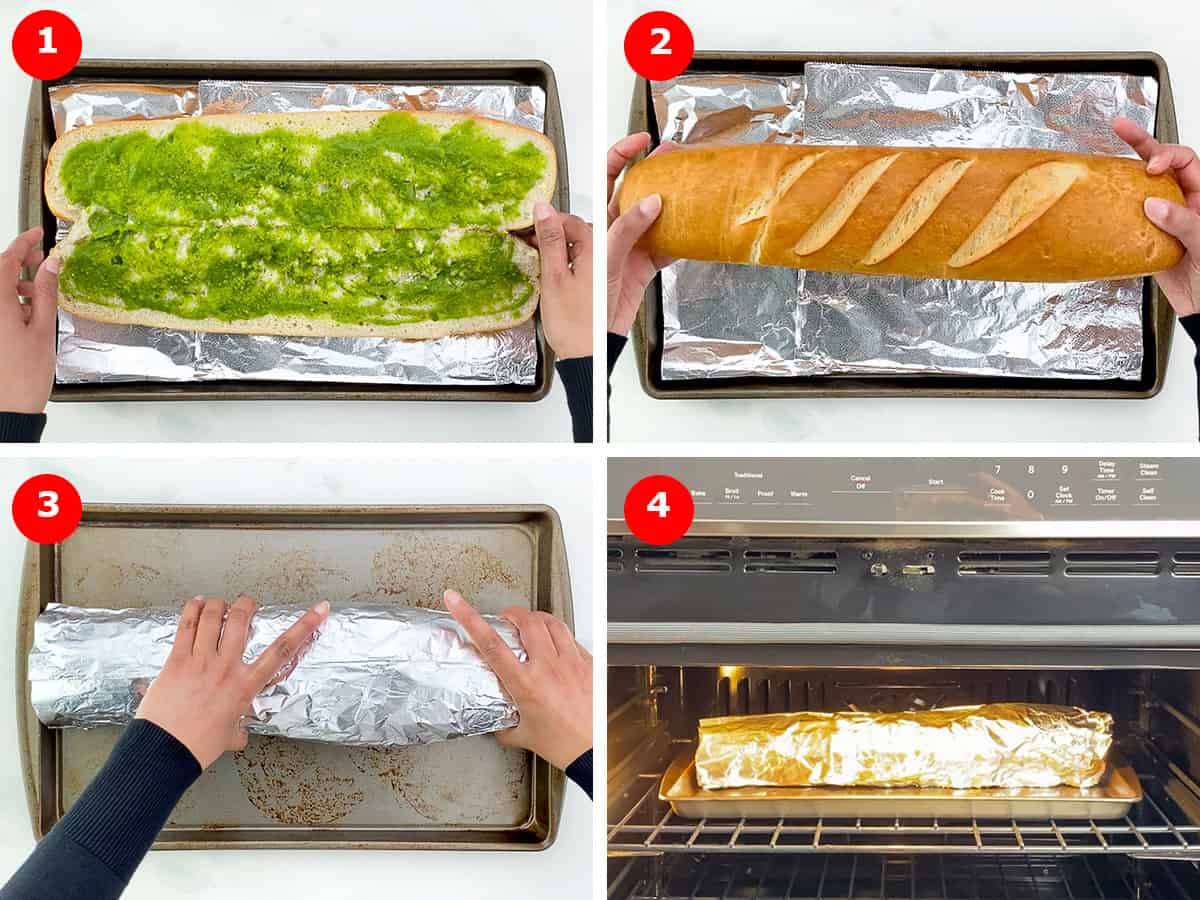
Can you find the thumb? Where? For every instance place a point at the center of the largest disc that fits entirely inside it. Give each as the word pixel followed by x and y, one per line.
pixel 628 229
pixel 1177 221
pixel 552 242
pixel 45 295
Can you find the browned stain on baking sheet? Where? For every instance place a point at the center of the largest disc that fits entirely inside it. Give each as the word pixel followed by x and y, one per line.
pixel 294 576
pixel 430 779
pixel 118 573
pixel 284 781
pixel 420 568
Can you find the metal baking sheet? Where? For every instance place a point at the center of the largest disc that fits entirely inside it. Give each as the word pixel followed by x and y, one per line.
pixel 1157 317
pixel 1112 799
pixel 40 134
pixel 469 793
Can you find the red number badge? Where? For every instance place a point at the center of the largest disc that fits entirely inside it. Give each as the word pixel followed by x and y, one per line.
pixel 46 44
pixel 47 509
pixel 659 45
pixel 659 510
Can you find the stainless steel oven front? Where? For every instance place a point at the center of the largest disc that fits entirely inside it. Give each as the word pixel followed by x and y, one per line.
pixel 893 584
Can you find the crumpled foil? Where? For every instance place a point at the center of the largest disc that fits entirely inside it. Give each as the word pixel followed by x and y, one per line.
pixel 725 321
pixel 372 676
pixel 94 352
pixel 1011 745
pixel 72 105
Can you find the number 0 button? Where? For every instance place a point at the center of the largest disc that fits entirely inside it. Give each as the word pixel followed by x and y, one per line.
pixel 659 45
pixel 659 509
pixel 47 509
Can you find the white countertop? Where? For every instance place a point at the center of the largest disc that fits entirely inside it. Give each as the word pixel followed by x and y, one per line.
pixel 559 33
pixel 1169 28
pixel 559 872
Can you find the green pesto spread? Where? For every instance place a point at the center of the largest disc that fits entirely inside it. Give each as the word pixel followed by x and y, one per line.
pixel 358 277
pixel 399 173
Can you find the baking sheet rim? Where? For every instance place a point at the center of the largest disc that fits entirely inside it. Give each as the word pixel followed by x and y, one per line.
pixel 545 803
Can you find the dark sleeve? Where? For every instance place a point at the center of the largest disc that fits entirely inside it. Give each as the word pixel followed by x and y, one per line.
pixel 93 850
pixel 21 428
pixel 616 343
pixel 580 772
pixel 1191 324
pixel 577 379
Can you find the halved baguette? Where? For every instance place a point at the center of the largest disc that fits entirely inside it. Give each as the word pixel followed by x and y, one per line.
pixel 1002 215
pixel 323 124
pixel 523 256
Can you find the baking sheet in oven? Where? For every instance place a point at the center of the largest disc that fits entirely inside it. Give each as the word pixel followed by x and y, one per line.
pixel 469 792
pixel 1112 799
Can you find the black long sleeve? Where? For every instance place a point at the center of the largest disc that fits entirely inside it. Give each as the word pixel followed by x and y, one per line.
pixel 21 428
pixel 580 772
pixel 616 343
pixel 94 849
pixel 1191 324
pixel 577 379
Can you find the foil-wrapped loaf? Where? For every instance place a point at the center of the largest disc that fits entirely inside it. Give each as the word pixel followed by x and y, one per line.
pixel 373 675
pixel 994 745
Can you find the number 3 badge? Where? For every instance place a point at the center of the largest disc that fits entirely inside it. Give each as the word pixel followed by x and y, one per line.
pixel 47 509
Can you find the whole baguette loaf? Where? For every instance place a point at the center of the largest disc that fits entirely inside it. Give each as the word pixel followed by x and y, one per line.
pixel 1002 215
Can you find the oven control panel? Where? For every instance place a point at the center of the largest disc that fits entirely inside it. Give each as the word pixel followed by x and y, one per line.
pixel 923 490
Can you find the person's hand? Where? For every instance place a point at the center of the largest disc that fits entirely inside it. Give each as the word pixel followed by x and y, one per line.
pixel 1181 283
pixel 565 244
pixel 204 690
pixel 629 267
pixel 552 691
pixel 27 330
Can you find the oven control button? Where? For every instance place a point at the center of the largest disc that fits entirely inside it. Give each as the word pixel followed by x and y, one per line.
pixel 879 569
pixel 921 569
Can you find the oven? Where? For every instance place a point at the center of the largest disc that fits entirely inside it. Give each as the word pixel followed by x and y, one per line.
pixel 908 584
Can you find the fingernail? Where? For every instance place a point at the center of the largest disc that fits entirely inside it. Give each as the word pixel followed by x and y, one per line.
pixel 322 608
pixel 451 597
pixel 53 264
pixel 542 211
pixel 1156 208
pixel 650 205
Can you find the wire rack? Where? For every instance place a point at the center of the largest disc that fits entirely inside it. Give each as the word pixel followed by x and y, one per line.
pixel 859 877
pixel 1153 829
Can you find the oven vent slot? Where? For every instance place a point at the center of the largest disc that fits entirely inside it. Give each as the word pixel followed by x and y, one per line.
pixel 682 560
pixel 782 561
pixel 1186 564
pixel 615 554
pixel 1113 564
pixel 1005 563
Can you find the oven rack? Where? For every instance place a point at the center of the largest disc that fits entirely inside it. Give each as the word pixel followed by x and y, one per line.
pixel 650 825
pixel 859 877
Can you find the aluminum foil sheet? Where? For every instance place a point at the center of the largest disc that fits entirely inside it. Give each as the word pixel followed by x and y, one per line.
pixel 1011 745
pixel 93 352
pixel 373 675
pixel 72 105
pixel 726 321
